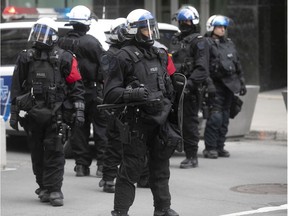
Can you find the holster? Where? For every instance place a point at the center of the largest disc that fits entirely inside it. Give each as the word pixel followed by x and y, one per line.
pixel 171 137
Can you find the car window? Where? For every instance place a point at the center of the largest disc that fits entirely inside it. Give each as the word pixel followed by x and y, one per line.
pixel 165 37
pixel 14 41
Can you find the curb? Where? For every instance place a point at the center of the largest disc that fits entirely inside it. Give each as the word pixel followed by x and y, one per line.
pixel 267 135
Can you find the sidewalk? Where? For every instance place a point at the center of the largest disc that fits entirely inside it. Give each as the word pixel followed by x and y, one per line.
pixel 270 117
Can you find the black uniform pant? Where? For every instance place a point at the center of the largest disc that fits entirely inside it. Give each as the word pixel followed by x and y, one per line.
pixel 47 155
pixel 113 152
pixel 144 137
pixel 218 120
pixel 190 128
pixel 80 136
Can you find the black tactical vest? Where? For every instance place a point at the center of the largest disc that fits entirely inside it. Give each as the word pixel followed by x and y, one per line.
pixel 183 55
pixel 44 77
pixel 152 72
pixel 223 58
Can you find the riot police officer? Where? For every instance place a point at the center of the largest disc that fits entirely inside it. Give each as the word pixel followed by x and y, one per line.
pixel 47 85
pixel 138 75
pixel 190 55
pixel 113 151
pixel 88 51
pixel 226 73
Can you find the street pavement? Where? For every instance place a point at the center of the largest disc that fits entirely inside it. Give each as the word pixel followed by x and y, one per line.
pixel 253 181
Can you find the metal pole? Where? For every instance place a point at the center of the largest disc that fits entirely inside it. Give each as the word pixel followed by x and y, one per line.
pixel 3 143
pixel 174 5
pixel 104 9
pixel 204 14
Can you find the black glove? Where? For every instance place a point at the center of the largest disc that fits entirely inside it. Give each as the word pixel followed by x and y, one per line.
pixel 136 94
pixel 211 89
pixel 14 119
pixel 79 114
pixel 243 89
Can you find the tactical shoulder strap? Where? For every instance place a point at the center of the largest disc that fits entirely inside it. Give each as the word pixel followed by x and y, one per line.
pixel 55 58
pixel 30 54
pixel 135 54
pixel 163 56
pixel 191 39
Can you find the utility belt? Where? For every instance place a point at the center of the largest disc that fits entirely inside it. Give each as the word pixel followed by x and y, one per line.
pixel 126 122
pixel 49 94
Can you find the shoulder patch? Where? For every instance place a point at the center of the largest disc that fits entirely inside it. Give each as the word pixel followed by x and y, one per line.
pixel 201 45
pixel 199 36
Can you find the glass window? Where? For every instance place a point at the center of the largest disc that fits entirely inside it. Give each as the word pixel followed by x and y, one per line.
pixel 12 42
pixel 166 36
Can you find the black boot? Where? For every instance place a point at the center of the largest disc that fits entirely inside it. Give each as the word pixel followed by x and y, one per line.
pixel 56 198
pixel 108 186
pixel 165 212
pixel 213 154
pixel 44 195
pixel 82 170
pixel 223 153
pixel 191 162
pixel 118 213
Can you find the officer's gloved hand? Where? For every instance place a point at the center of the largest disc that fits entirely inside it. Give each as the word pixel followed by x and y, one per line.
pixel 243 89
pixel 190 86
pixel 211 89
pixel 14 118
pixel 136 94
pixel 79 114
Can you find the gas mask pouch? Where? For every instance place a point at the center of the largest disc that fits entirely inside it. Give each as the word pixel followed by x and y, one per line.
pixel 236 106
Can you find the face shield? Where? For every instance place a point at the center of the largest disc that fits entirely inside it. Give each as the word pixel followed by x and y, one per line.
pixel 147 31
pixel 42 34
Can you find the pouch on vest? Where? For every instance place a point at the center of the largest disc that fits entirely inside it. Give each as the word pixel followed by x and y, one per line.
pixel 159 117
pixel 236 106
pixel 170 135
pixel 25 102
pixel 40 113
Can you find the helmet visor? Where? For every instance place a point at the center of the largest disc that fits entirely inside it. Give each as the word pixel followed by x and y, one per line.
pixel 43 34
pixel 149 29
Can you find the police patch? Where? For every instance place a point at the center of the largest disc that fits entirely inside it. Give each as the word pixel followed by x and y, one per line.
pixel 40 75
pixel 105 62
pixel 201 45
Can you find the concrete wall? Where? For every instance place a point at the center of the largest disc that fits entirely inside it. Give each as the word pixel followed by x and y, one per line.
pixel 240 125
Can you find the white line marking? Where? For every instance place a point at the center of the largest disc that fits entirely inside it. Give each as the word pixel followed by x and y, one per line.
pixel 260 210
pixel 8 169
